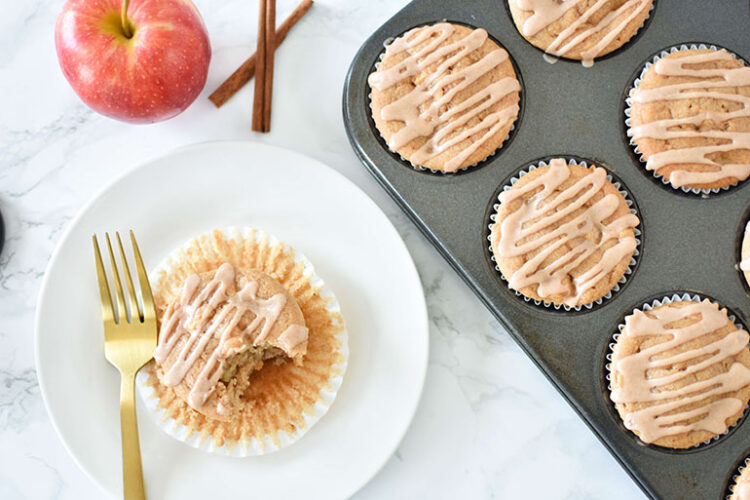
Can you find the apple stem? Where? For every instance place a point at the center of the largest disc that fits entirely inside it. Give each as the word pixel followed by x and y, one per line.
pixel 124 19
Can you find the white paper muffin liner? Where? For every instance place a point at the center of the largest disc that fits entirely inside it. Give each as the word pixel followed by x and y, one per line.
pixel 267 444
pixel 744 243
pixel 633 260
pixel 552 59
pixel 634 85
pixel 735 477
pixel 420 168
pixel 647 306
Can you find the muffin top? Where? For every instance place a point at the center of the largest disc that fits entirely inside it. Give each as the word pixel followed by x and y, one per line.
pixel 745 254
pixel 741 488
pixel 563 234
pixel 444 96
pixel 680 373
pixel 222 319
pixel 579 29
pixel 690 119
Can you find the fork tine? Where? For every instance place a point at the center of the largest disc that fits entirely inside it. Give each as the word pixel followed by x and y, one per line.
pixel 132 301
pixel 106 298
pixel 122 313
pixel 149 311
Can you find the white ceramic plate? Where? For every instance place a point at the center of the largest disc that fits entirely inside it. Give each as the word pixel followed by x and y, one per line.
pixel 354 248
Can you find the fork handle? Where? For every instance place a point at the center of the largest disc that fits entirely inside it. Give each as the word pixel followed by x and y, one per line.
pixel 132 474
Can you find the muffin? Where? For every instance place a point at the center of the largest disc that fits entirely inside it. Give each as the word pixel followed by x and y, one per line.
pixel 680 372
pixel 745 254
pixel 444 96
pixel 740 490
pixel 252 346
pixel 224 325
pixel 690 119
pixel 563 234
pixel 579 29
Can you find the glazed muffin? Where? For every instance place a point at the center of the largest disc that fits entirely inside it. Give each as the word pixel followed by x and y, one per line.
pixel 563 234
pixel 221 328
pixel 745 254
pixel 740 489
pixel 444 97
pixel 579 29
pixel 680 373
pixel 252 346
pixel 690 119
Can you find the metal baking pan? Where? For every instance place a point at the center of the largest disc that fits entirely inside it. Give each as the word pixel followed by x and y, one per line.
pixel 689 243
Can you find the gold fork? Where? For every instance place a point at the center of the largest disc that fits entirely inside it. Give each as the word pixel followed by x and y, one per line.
pixel 129 343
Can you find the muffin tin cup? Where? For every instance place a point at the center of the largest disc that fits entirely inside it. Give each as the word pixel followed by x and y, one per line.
pixel 269 443
pixel 552 59
pixel 634 85
pixel 647 306
pixel 420 168
pixel 633 260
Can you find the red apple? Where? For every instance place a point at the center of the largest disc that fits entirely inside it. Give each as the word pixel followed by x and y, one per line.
pixel 147 69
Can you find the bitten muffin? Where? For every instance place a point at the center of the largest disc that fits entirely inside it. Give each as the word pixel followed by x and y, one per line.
pixel 690 119
pixel 745 254
pixel 680 373
pixel 444 96
pixel 741 487
pixel 221 328
pixel 563 234
pixel 579 29
pixel 250 353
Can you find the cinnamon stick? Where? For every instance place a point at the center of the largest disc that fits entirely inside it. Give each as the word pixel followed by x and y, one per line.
pixel 270 50
pixel 260 69
pixel 245 72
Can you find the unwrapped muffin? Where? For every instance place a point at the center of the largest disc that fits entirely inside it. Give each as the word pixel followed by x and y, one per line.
pixel 252 346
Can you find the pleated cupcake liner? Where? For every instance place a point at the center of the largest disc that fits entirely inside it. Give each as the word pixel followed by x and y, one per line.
pixel 634 85
pixel 647 306
pixel 421 168
pixel 733 481
pixel 744 253
pixel 272 441
pixel 633 260
pixel 552 59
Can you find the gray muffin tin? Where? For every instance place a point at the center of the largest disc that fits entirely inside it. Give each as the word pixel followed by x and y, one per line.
pixel 689 243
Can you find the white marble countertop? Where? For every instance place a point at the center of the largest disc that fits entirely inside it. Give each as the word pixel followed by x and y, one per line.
pixel 488 425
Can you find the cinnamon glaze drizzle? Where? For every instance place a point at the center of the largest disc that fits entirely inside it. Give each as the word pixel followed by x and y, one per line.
pixel 742 491
pixel 425 110
pixel 545 209
pixel 209 312
pixel 546 12
pixel 710 85
pixel 643 377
